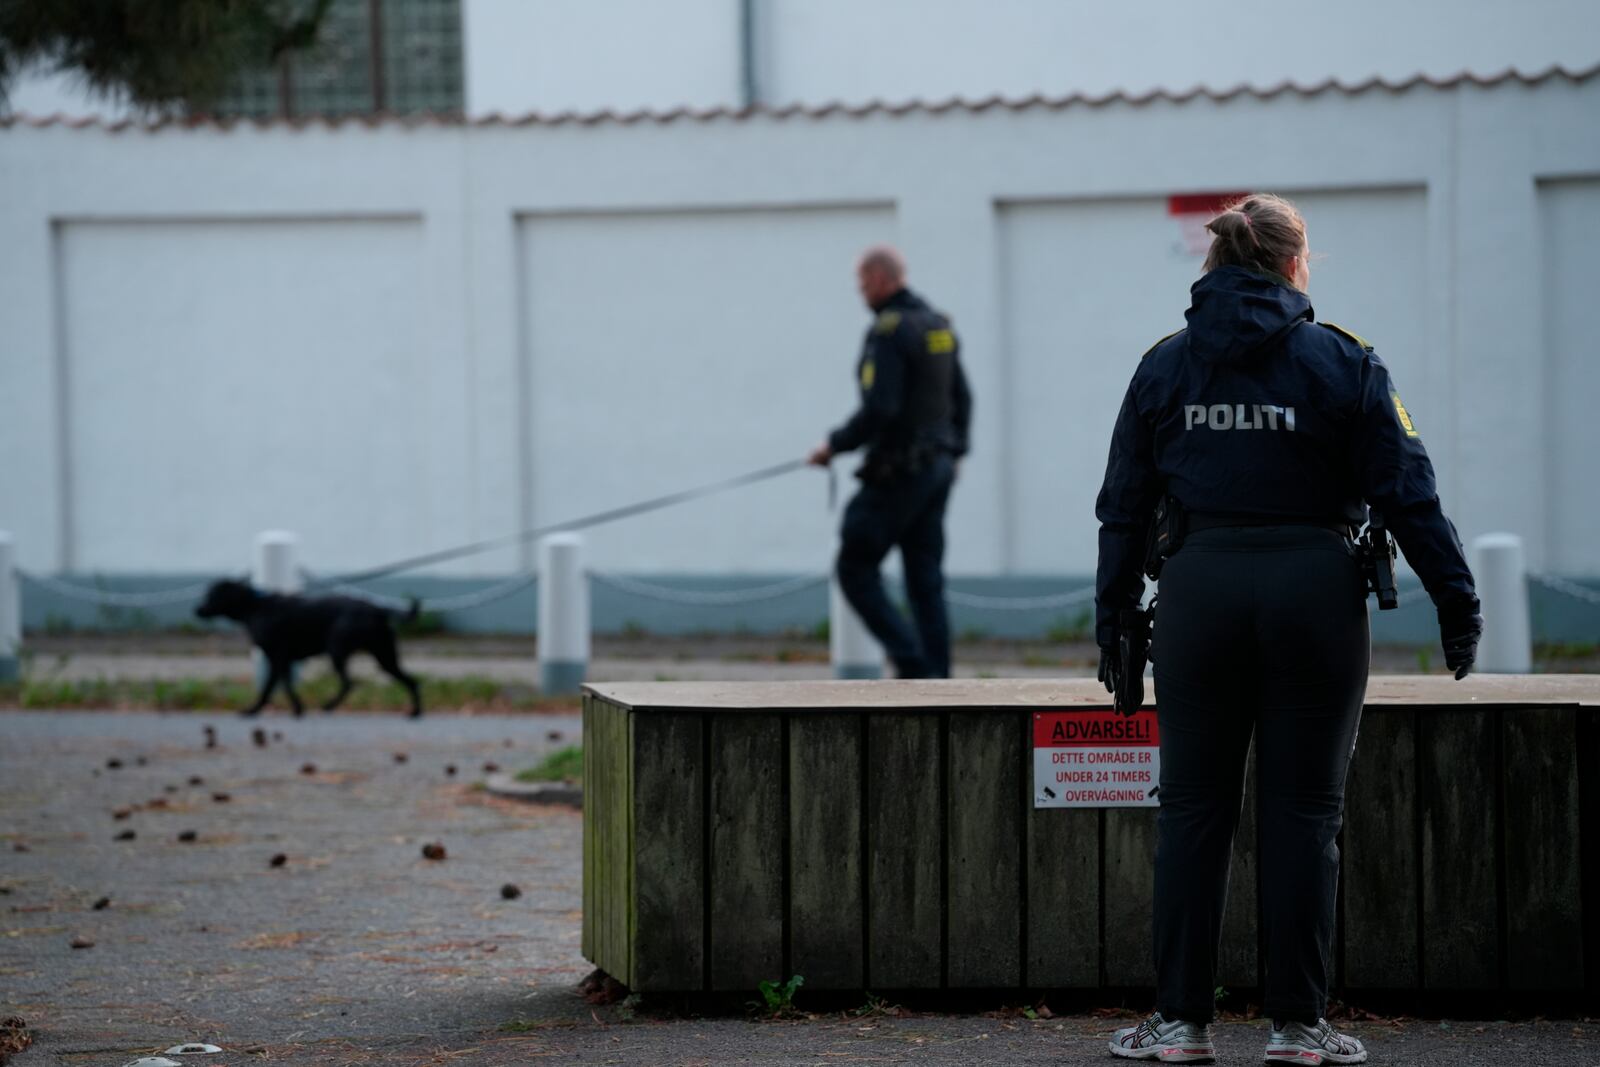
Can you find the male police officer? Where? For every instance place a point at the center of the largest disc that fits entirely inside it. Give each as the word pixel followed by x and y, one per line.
pixel 913 420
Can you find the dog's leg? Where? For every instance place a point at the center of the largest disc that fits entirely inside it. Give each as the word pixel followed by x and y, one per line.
pixel 388 658
pixel 341 659
pixel 268 684
pixel 286 672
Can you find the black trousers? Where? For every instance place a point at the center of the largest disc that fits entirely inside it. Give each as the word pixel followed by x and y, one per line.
pixel 1259 631
pixel 908 512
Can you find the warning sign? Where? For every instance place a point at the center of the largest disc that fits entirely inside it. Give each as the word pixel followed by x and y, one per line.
pixel 1096 759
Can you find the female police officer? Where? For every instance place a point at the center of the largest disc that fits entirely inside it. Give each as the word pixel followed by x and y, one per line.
pixel 1268 432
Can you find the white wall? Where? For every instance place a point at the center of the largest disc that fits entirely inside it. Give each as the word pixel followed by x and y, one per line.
pixel 557 55
pixel 536 321
pixel 1570 228
pixel 910 49
pixel 225 377
pixel 660 347
pixel 577 55
pixel 553 56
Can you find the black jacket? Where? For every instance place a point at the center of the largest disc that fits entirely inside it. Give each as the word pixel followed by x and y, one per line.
pixel 1256 409
pixel 914 395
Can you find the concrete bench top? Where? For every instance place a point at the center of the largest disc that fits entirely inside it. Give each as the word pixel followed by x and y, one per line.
pixel 1478 690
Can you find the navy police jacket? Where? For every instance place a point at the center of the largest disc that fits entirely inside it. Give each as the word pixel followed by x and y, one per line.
pixel 1255 409
pixel 914 395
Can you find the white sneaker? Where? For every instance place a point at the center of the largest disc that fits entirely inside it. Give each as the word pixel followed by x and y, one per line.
pixel 1311 1045
pixel 1168 1042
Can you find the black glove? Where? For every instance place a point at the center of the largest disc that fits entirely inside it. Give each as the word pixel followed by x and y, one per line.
pixel 1459 630
pixel 1108 669
pixel 1126 687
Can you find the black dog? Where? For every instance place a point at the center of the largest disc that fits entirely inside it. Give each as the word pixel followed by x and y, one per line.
pixel 288 629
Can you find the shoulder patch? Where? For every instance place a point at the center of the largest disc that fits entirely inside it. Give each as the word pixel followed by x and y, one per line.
pixel 887 322
pixel 1349 334
pixel 1159 343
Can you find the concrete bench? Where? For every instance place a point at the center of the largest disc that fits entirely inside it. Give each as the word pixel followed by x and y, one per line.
pixel 877 835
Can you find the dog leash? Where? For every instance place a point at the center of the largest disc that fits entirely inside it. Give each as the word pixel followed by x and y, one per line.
pixel 599 518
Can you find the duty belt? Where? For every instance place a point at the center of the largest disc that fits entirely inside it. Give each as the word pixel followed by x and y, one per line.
pixel 1211 520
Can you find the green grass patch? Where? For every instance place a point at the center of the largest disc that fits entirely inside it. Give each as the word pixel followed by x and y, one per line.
pixel 562 765
pixel 1558 650
pixel 1064 631
pixel 470 693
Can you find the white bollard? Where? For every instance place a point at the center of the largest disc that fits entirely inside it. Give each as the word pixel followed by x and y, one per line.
pixel 563 614
pixel 1507 643
pixel 852 648
pixel 10 610
pixel 276 570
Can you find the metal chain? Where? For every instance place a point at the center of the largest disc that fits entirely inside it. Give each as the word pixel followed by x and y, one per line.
pixel 721 598
pixel 1020 603
pixel 1567 588
pixel 153 599
pixel 443 605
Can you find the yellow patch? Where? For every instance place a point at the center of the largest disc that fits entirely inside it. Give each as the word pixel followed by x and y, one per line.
pixel 1405 416
pixel 869 374
pixel 1351 334
pixel 1157 345
pixel 940 342
pixel 888 322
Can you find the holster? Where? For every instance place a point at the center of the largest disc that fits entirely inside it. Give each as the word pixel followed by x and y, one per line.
pixel 1133 652
pixel 1375 551
pixel 887 464
pixel 1167 529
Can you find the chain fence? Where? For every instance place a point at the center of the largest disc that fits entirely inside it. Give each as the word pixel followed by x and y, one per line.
pixel 709 598
pixel 511 586
pixel 1567 588
pixel 1052 601
pixel 441 605
pixel 155 598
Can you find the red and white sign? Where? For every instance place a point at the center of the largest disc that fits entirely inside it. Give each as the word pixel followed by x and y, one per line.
pixel 1096 759
pixel 1193 211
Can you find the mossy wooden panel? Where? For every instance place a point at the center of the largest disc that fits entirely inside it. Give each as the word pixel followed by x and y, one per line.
pixel 1544 910
pixel 668 803
pixel 747 850
pixel 1380 855
pixel 1460 921
pixel 1130 868
pixel 984 852
pixel 905 830
pixel 590 885
pixel 619 858
pixel 827 912
pixel 607 831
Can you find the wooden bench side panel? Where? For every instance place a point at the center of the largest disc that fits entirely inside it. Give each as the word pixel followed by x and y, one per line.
pixel 747 851
pixel 984 851
pixel 905 831
pixel 827 912
pixel 669 883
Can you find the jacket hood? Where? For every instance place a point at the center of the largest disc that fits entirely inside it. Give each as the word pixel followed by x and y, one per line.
pixel 1236 314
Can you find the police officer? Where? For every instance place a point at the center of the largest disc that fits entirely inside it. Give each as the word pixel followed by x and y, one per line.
pixel 1271 432
pixel 913 420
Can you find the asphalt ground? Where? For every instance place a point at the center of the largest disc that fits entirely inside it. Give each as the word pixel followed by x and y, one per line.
pixel 357 950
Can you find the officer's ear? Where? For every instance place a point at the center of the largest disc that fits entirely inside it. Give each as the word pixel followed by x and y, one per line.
pixel 1298 270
